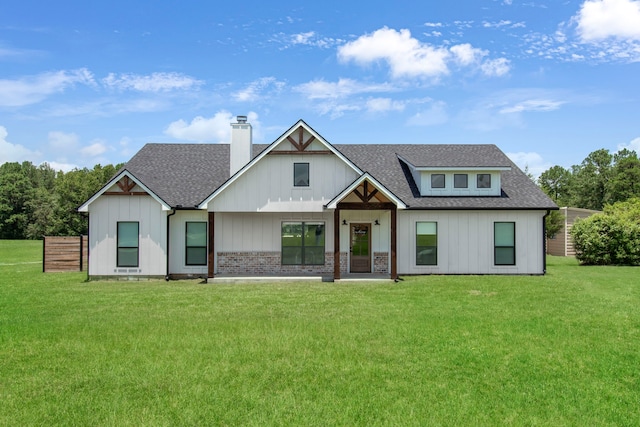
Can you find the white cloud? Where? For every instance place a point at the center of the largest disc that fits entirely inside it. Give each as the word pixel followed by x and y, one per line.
pixel 215 129
pixel 65 167
pixel 33 89
pixel 465 54
pixel 634 145
pixel 13 152
pixel 496 67
pixel 155 82
pixel 61 141
pixel 532 105
pixel 405 55
pixel 601 19
pixel 320 89
pixel 408 57
pixel 531 161
pixel 254 90
pixel 309 38
pixel 381 105
pixel 94 150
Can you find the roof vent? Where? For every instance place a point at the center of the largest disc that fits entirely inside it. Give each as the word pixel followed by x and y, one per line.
pixel 241 119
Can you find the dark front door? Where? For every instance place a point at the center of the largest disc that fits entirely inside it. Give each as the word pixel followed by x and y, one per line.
pixel 361 248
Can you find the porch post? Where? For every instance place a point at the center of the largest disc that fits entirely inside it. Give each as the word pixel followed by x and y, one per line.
pixel 336 244
pixel 211 254
pixel 394 259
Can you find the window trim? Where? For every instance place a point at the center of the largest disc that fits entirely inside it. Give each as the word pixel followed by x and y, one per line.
pixel 478 180
pixel 444 180
pixel 118 246
pixel 302 246
pixel 496 247
pixel 308 182
pixel 435 247
pixel 466 180
pixel 186 244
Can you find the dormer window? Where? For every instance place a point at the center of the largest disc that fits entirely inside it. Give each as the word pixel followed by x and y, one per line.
pixel 484 180
pixel 460 180
pixel 437 180
pixel 301 174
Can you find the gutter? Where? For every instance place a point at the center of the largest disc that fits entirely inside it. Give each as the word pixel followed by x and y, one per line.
pixel 173 212
pixel 544 242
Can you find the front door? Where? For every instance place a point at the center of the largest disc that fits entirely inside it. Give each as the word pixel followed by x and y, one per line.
pixel 361 248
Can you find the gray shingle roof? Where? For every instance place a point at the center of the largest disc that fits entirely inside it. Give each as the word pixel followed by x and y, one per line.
pixel 185 174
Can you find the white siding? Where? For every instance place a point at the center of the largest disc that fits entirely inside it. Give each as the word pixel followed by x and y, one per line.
pixel 177 242
pixel 465 242
pixel 104 214
pixel 240 232
pixel 268 185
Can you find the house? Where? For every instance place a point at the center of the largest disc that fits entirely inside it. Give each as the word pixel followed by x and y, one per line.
pixel 562 243
pixel 303 206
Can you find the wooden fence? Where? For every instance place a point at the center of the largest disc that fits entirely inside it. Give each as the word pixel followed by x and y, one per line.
pixel 65 253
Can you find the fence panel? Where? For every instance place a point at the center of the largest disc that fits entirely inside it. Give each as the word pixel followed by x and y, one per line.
pixel 64 253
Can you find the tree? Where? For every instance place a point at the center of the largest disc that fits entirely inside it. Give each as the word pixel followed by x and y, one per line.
pixel 556 183
pixel 590 180
pixel 624 182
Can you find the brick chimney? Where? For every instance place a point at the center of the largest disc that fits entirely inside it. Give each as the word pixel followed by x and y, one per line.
pixel 241 146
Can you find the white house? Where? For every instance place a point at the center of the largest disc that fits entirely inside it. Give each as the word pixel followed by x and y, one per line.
pixel 303 206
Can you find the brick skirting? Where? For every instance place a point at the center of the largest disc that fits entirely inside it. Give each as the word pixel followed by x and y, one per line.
pixel 381 262
pixel 268 263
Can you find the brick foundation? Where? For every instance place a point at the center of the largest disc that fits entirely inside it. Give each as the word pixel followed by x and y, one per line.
pixel 269 263
pixel 381 262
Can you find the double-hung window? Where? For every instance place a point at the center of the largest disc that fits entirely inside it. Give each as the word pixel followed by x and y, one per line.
pixel 303 243
pixel 504 237
pixel 196 243
pixel 128 244
pixel 426 243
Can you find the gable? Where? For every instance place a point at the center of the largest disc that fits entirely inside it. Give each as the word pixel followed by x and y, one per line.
pixel 123 184
pixel 299 144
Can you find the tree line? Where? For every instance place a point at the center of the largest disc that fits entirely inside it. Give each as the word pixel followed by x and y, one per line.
pixel 37 200
pixel 601 179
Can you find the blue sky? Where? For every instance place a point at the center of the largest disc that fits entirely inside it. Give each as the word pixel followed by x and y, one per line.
pixel 548 81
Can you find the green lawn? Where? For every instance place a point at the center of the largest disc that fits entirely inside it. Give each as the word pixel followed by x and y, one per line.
pixel 563 349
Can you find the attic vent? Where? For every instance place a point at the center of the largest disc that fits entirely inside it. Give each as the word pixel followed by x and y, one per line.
pixel 241 119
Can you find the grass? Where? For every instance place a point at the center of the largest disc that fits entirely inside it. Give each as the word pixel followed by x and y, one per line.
pixel 563 349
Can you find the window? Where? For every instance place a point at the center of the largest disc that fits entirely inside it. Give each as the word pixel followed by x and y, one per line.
pixel 484 180
pixel 196 243
pixel 505 243
pixel 427 243
pixel 301 174
pixel 460 180
pixel 437 180
pixel 127 255
pixel 303 243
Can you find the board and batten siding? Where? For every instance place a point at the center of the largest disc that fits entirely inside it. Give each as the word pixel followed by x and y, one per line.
pixel 178 243
pixel 104 214
pixel 268 185
pixel 465 242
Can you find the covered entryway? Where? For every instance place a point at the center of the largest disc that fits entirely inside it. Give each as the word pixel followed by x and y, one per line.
pixel 372 212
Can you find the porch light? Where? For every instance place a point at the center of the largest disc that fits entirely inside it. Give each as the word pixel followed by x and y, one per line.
pixel 344 222
pixel 376 223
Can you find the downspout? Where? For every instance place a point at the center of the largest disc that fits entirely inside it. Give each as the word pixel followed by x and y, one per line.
pixel 173 212
pixel 544 242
